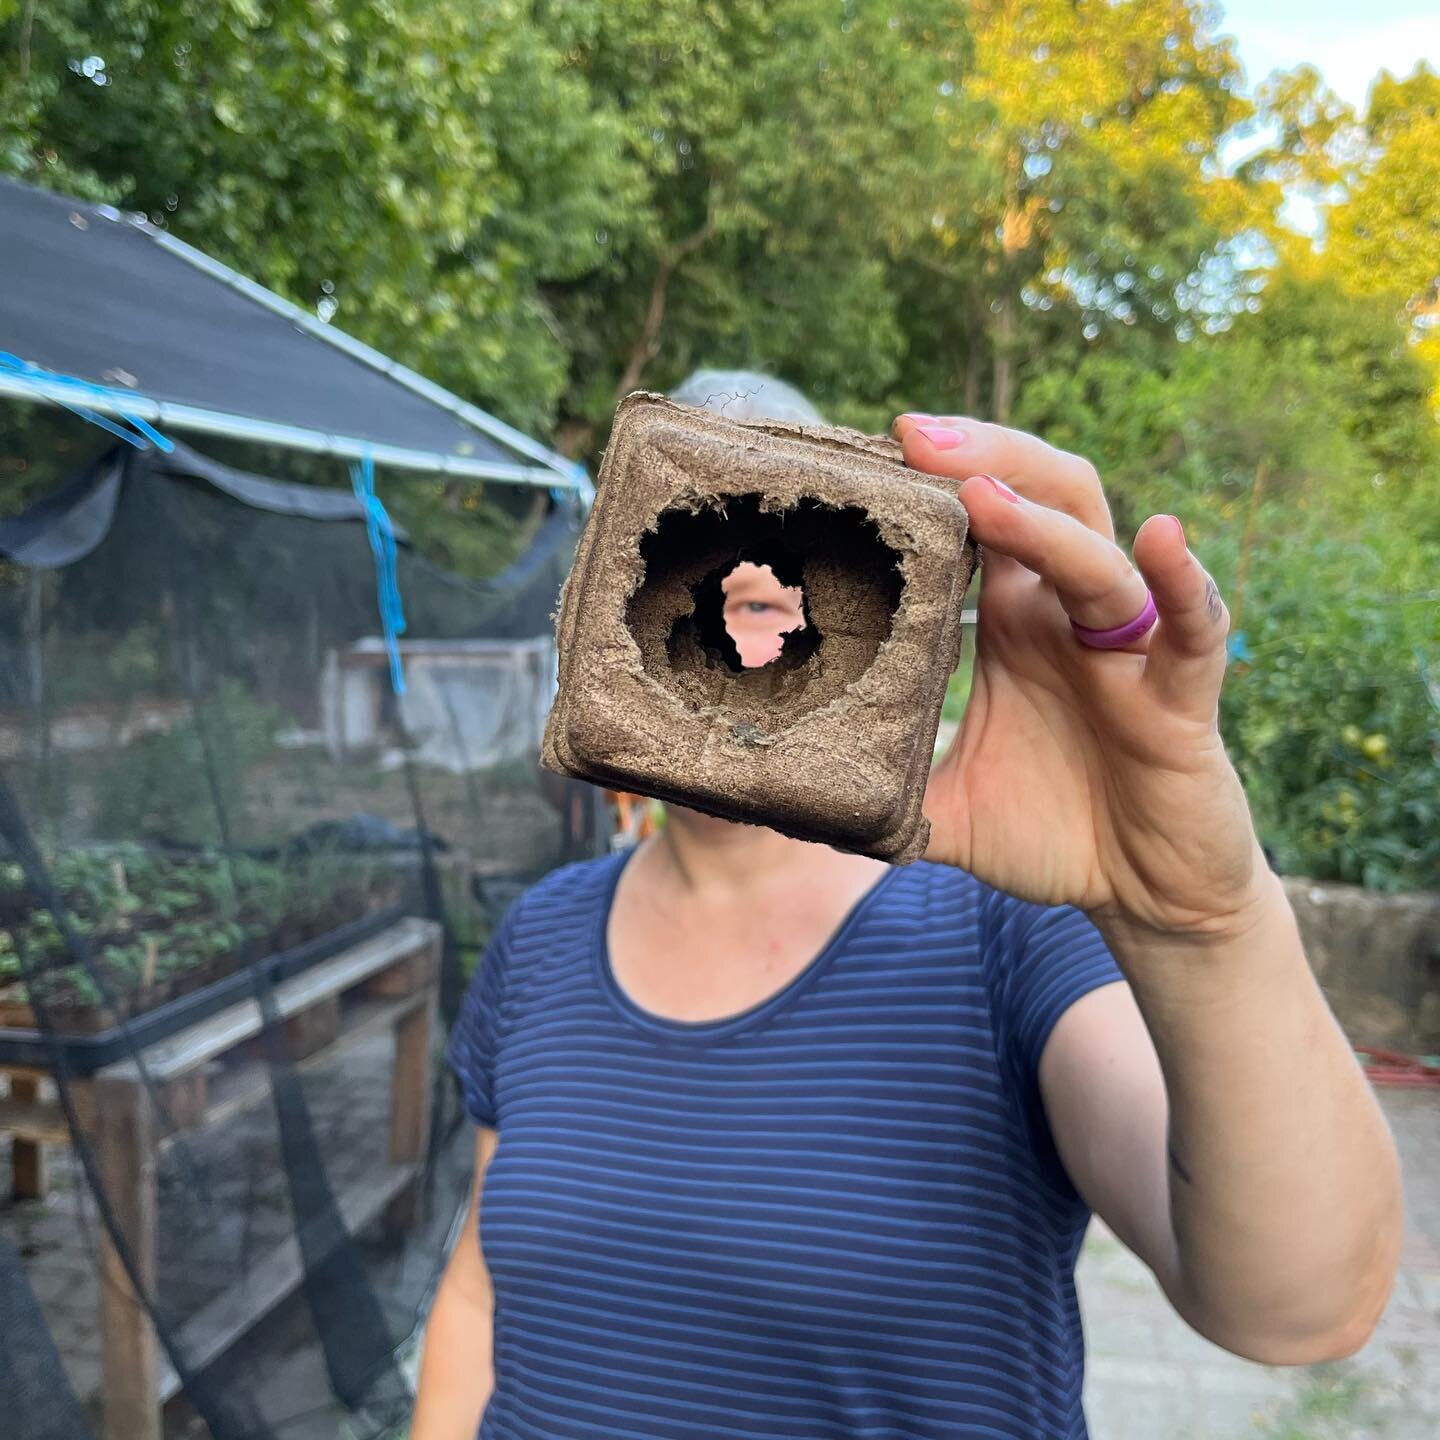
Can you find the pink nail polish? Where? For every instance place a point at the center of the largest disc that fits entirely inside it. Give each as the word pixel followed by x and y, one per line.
pixel 1001 489
pixel 941 437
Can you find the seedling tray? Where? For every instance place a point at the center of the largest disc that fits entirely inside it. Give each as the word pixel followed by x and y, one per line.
pixel 84 1054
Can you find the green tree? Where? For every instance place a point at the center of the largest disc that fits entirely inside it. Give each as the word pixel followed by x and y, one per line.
pixel 416 170
pixel 789 151
pixel 1100 207
pixel 1375 177
pixel 1384 237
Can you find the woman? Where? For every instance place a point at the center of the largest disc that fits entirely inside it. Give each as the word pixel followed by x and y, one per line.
pixel 777 1142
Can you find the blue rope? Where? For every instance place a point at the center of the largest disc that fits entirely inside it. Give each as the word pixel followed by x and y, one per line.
pixel 584 489
pixel 387 580
pixel 140 434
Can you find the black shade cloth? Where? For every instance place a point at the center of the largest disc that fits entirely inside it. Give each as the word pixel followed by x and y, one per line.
pixel 61 527
pixel 67 525
pixel 205 772
pixel 87 292
pixel 34 1392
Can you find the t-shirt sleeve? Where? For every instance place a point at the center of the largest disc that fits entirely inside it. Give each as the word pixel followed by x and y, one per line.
pixel 1042 959
pixel 1039 960
pixel 474 1040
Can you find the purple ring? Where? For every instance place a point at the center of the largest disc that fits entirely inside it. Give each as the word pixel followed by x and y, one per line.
pixel 1121 635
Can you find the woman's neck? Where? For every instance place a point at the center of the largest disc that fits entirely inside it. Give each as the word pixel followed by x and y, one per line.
pixel 710 918
pixel 719 860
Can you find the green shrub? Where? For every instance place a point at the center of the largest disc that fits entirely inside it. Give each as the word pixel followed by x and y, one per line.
pixel 158 788
pixel 1334 717
pixel 1300 455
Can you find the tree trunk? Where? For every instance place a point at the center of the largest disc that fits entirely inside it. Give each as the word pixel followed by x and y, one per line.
pixel 577 436
pixel 974 356
pixel 574 438
pixel 27 25
pixel 642 352
pixel 1017 234
pixel 1003 331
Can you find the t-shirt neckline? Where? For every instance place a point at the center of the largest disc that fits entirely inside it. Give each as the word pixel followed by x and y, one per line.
pixel 704 1032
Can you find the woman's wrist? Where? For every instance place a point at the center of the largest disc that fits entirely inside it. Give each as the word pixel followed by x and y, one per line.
pixel 1238 926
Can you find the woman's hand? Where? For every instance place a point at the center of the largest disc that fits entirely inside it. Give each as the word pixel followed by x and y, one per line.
pixel 1090 777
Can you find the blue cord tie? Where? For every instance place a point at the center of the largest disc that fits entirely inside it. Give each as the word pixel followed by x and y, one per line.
pixel 141 434
pixel 387 580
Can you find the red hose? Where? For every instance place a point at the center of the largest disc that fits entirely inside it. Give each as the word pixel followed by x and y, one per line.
pixel 1390 1067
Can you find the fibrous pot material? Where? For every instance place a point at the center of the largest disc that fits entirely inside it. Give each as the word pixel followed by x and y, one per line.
pixel 830 742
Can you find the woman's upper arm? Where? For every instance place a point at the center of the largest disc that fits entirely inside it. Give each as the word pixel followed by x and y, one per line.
pixel 1104 1097
pixel 466 1268
pixel 457 1363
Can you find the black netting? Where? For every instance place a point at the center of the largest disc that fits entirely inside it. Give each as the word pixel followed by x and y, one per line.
pixel 242 883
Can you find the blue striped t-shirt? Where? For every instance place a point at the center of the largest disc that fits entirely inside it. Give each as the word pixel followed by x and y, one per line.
pixel 839 1214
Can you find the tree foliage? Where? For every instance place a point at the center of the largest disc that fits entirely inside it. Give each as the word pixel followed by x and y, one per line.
pixel 1101 198
pixel 789 151
pixel 1384 238
pixel 1021 209
pixel 418 171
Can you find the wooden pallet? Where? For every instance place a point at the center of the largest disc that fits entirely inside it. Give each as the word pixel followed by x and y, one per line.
pixel 388 981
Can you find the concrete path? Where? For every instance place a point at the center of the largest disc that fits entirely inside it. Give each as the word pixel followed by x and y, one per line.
pixel 1150 1377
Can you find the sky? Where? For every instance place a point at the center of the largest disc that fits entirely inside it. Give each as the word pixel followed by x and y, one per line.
pixel 1347 40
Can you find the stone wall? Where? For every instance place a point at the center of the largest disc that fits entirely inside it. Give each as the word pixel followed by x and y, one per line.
pixel 1378 957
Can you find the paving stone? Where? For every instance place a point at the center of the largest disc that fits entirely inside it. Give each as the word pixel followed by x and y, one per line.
pixel 1236 1412
pixel 53 1288
pixel 1258 1383
pixel 1407 1325
pixel 1424 1286
pixel 1157 1411
pixel 83 1371
pixel 82 1336
pixel 1150 1377
pixel 1123 1334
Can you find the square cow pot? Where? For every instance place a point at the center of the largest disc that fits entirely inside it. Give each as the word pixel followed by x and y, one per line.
pixel 831 741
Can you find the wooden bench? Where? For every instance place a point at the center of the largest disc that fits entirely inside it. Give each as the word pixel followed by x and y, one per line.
pixel 386 982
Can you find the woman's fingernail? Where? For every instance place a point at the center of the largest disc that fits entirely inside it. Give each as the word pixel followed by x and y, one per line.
pixel 916 415
pixel 1001 489
pixel 941 437
pixel 1179 529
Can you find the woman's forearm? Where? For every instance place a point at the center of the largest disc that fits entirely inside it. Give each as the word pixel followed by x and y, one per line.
pixel 1283 1179
pixel 457 1365
pixel 456 1370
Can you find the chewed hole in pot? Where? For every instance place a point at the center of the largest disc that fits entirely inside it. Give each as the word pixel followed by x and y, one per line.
pixel 737 601
pixel 757 613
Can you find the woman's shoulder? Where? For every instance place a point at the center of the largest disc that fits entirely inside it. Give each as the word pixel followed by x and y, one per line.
pixel 929 886
pixel 581 887
pixel 945 893
pixel 552 921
